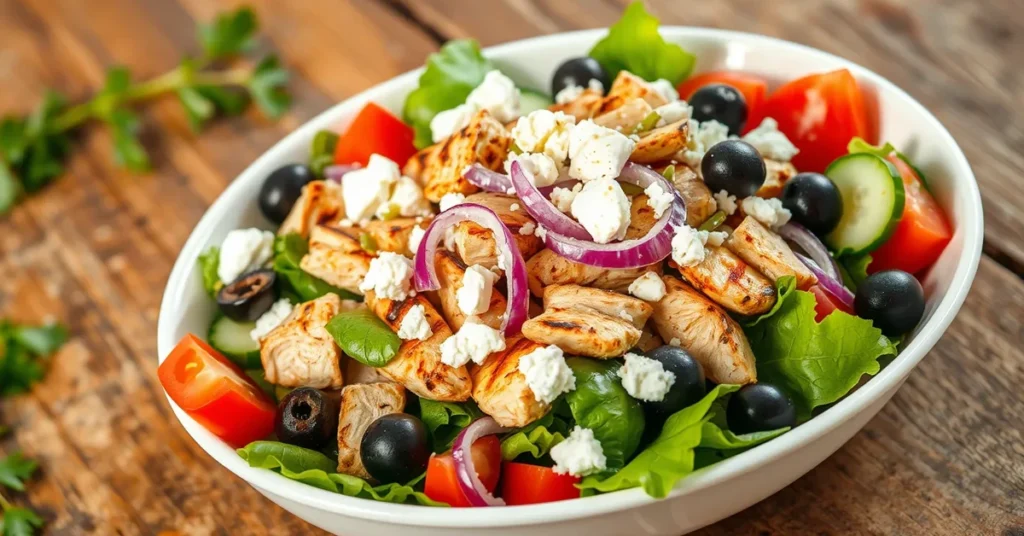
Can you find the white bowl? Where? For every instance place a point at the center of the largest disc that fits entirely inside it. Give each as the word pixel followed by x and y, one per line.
pixel 704 497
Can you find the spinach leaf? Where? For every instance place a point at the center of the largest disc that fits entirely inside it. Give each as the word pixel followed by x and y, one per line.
pixel 669 458
pixel 601 404
pixel 315 469
pixel 364 337
pixel 209 262
pixel 288 252
pixel 446 419
pixel 633 44
pixel 535 439
pixel 450 76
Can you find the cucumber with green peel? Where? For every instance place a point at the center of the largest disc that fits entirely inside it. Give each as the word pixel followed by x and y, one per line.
pixel 531 100
pixel 232 339
pixel 872 192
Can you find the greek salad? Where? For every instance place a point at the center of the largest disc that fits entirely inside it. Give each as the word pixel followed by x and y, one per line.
pixel 499 297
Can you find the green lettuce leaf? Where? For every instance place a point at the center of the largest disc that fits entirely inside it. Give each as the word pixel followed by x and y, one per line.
pixel 633 44
pixel 209 262
pixel 784 288
pixel 858 145
pixel 854 270
pixel 315 469
pixel 364 337
pixel 446 419
pixel 288 252
pixel 535 439
pixel 450 76
pixel 717 442
pixel 601 404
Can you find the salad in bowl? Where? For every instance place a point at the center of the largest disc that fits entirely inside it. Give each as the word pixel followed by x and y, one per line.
pixel 503 295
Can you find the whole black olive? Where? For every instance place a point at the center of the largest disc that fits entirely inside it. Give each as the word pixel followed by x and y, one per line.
pixel 759 408
pixel 734 166
pixel 689 386
pixel 891 299
pixel 248 297
pixel 578 72
pixel 395 448
pixel 815 202
pixel 282 189
pixel 307 417
pixel 722 103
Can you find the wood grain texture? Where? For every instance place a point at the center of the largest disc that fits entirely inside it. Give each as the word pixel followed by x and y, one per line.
pixel 946 456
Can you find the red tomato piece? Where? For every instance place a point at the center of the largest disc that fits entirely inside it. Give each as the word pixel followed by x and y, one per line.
pixel 825 304
pixel 443 484
pixel 375 130
pixel 820 114
pixel 752 87
pixel 922 233
pixel 532 484
pixel 216 393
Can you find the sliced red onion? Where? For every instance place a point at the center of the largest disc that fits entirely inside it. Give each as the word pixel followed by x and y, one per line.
pixel 509 259
pixel 834 287
pixel 649 249
pixel 487 180
pixel 798 234
pixel 569 184
pixel 337 171
pixel 538 206
pixel 469 480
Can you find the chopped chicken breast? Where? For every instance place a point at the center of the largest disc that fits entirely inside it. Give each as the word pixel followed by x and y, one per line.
pixel 501 390
pixel 361 404
pixel 300 352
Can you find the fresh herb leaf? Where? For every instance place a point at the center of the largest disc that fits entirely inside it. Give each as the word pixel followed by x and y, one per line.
pixel 209 263
pixel 198 109
pixel 364 337
pixel 128 151
pixel 267 87
pixel 451 74
pixel 119 79
pixel 40 340
pixel 10 188
pixel 18 521
pixel 230 101
pixel 288 252
pixel 446 419
pixel 13 140
pixel 46 150
pixel 229 34
pixel 536 439
pixel 601 404
pixel 15 470
pixel 19 370
pixel 633 44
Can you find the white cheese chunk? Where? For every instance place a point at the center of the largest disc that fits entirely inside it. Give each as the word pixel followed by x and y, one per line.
pixel 688 246
pixel 528 228
pixel 562 197
pixel 658 199
pixel 572 91
pixel 414 324
pixel 602 208
pixel 726 202
pixel 415 237
pixel 474 296
pixel 597 152
pixel 406 200
pixel 703 136
pixel 770 212
pixel 580 454
pixel 716 238
pixel 648 287
pixel 474 342
pixel 365 189
pixel 547 373
pixel 645 378
pixel 242 251
pixel 539 168
pixel 770 142
pixel 271 319
pixel 389 276
pixel 665 89
pixel 498 95
pixel 451 199
pixel 546 132
pixel 673 111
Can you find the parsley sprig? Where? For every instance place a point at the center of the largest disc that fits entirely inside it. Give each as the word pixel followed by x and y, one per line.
pixel 34 148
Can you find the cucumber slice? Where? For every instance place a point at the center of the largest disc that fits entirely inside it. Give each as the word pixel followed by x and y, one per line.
pixel 530 101
pixel 232 339
pixel 872 192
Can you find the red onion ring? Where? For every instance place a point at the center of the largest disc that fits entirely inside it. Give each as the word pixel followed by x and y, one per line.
pixel 487 180
pixel 831 285
pixel 469 480
pixel 337 171
pixel 798 234
pixel 425 275
pixel 653 247
pixel 538 206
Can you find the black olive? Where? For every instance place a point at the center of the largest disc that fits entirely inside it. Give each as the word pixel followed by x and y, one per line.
pixel 578 72
pixel 282 189
pixel 815 202
pixel 758 408
pixel 891 299
pixel 734 166
pixel 722 103
pixel 248 297
pixel 689 386
pixel 307 417
pixel 395 448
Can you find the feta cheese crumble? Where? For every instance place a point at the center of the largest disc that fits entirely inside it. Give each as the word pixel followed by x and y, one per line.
pixel 415 237
pixel 675 342
pixel 514 207
pixel 528 228
pixel 673 112
pixel 364 189
pixel 242 251
pixel 541 232
pixel 703 136
pixel 388 276
pixel 572 91
pixel 546 132
pixel 648 287
pixel 474 342
pixel 624 314
pixel 688 246
pixel 726 203
pixel 498 95
pixel 448 122
pixel 602 208
pixel 414 324
pixel 451 199
pixel 658 199
pixel 547 373
pixel 406 200
pixel 767 211
pixel 579 455
pixel 269 320
pixel 665 89
pixel 562 197
pixel 770 142
pixel 474 296
pixel 539 168
pixel 597 152
pixel 645 378
pixel 716 238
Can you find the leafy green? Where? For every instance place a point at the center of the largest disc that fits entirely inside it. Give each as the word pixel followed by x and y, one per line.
pixel 18 521
pixel 10 188
pixel 209 262
pixel 288 252
pixel 535 439
pixel 814 363
pixel 858 145
pixel 128 150
pixel 669 458
pixel 633 44
pixel 43 158
pixel 854 270
pixel 23 350
pixel 321 151
pixel 229 34
pixel 784 288
pixel 601 404
pixel 315 469
pixel 40 340
pixel 451 74
pixel 446 419
pixel 267 87
pixel 364 337
pixel 15 470
pixel 260 377
pixel 198 108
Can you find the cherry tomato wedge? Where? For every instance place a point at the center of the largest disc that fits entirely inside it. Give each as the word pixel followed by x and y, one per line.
pixel 825 304
pixel 752 87
pixel 532 484
pixel 820 114
pixel 216 393
pixel 375 130
pixel 922 233
pixel 442 483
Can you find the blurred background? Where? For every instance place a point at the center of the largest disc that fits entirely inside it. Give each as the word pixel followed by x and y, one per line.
pixel 92 249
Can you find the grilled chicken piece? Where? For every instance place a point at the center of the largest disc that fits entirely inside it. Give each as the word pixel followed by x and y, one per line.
pixel 362 404
pixel 777 175
pixel 649 340
pixel 393 235
pixel 769 253
pixel 500 389
pixel 628 308
pixel 627 117
pixel 548 268
pixel 336 257
pixel 583 331
pixel 300 352
pixel 475 244
pixel 320 204
pixel 731 283
pixel 707 332
pixel 418 364
pixel 439 167
pixel 582 107
pixel 450 270
pixel 641 218
pixel 661 143
pixel 356 372
pixel 626 87
pixel 700 203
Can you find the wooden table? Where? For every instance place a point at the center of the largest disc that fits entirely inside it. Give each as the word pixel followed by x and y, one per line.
pixel 946 456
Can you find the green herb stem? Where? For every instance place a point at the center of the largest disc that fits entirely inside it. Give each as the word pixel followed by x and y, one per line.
pixel 4 503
